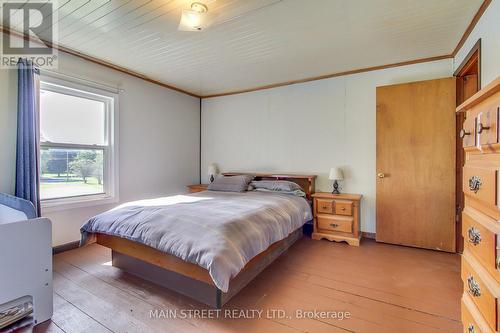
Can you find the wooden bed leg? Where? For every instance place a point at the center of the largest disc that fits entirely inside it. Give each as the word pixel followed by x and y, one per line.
pixel 218 298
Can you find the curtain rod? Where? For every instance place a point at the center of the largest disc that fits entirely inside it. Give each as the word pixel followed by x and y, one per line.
pixel 90 83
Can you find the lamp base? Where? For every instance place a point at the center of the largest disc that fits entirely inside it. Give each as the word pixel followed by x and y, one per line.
pixel 335 187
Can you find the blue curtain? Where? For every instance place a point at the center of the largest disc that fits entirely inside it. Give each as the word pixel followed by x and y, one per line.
pixel 27 154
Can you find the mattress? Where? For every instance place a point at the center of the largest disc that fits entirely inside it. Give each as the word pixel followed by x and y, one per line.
pixel 219 231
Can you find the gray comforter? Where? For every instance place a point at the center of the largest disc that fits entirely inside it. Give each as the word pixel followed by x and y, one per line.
pixel 219 231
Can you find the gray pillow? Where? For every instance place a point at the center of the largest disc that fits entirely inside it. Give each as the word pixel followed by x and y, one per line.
pixel 276 185
pixel 231 183
pixel 297 193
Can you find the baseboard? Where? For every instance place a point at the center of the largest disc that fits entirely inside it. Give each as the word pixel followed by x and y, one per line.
pixel 65 247
pixel 370 235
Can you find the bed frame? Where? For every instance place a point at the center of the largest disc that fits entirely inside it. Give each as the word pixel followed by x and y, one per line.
pixel 190 279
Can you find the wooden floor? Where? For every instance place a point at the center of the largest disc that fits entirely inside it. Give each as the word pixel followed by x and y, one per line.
pixel 386 288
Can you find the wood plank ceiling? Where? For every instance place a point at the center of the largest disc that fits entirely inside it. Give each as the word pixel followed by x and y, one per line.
pixel 259 42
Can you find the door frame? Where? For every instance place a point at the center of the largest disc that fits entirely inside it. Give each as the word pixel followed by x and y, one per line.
pixel 465 66
pixel 470 64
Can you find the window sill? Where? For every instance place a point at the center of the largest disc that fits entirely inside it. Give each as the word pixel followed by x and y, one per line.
pixel 53 205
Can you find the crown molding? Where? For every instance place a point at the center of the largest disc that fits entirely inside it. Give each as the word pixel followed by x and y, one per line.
pixel 328 76
pixel 97 61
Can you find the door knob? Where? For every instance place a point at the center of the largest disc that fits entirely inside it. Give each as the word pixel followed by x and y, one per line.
pixel 381 175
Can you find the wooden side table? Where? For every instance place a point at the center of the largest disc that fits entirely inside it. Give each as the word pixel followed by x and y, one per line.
pixel 336 217
pixel 197 188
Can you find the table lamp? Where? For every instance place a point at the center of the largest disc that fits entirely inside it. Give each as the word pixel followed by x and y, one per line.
pixel 213 171
pixel 336 174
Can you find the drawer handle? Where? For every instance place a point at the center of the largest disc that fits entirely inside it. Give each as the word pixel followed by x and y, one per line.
pixel 471 329
pixel 475 183
pixel 481 128
pixel 343 208
pixel 325 207
pixel 334 225
pixel 463 133
pixel 474 288
pixel 474 236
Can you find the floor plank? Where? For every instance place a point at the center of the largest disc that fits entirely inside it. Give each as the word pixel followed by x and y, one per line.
pixel 385 288
pixel 70 319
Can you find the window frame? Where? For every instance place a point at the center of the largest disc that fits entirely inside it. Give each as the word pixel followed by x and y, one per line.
pixel 110 148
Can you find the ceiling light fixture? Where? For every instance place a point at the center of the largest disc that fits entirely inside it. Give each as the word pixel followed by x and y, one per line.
pixel 194 19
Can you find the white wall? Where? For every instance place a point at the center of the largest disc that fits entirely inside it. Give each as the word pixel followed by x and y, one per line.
pixel 158 140
pixel 488 29
pixel 307 128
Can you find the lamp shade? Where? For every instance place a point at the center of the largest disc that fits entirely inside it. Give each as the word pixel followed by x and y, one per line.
pixel 213 170
pixel 336 174
pixel 191 20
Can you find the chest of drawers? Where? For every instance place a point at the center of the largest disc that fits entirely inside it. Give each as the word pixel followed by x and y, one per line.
pixel 197 188
pixel 336 217
pixel 480 270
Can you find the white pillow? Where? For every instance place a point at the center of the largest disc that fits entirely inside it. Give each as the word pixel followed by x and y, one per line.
pixel 8 215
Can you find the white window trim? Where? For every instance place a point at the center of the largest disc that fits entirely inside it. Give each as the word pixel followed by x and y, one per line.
pixel 111 179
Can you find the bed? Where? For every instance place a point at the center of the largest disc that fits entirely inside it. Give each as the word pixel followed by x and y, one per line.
pixel 208 245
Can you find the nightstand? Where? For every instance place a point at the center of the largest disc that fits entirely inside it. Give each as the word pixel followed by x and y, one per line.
pixel 336 217
pixel 197 188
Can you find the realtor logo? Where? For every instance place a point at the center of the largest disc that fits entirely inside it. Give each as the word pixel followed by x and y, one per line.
pixel 29 32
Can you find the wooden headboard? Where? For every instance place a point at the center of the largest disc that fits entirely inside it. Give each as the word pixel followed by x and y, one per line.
pixel 306 182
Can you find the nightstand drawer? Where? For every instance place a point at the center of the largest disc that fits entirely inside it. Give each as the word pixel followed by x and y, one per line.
pixel 324 206
pixel 334 223
pixel 343 207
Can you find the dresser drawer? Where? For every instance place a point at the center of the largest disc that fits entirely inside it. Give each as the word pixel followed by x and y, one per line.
pixel 468 132
pixel 481 240
pixel 343 207
pixel 470 324
pixel 472 319
pixel 482 296
pixel 324 206
pixel 481 184
pixel 334 223
pixel 487 126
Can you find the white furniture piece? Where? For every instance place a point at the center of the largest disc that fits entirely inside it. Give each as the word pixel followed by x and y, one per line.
pixel 25 261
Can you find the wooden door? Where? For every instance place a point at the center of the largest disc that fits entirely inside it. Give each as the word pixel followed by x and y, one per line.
pixel 469 86
pixel 416 164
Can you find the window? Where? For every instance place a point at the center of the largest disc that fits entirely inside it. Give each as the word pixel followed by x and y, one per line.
pixel 77 144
